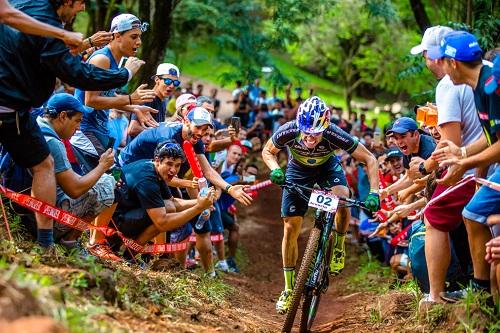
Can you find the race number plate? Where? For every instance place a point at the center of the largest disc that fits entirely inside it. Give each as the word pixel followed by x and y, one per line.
pixel 324 201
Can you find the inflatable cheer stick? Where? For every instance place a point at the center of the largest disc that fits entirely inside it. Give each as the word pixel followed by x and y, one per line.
pixel 202 182
pixel 192 159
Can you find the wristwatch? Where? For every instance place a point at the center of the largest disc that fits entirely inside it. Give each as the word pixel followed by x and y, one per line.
pixel 421 169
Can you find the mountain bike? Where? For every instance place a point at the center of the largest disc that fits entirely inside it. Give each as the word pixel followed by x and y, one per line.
pixel 312 279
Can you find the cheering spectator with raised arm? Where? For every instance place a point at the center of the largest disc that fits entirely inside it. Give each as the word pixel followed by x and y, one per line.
pixel 28 25
pixel 24 57
pixel 461 56
pixel 127 30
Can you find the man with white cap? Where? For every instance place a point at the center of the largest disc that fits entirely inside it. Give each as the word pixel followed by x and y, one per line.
pixel 192 128
pixel 458 123
pixel 166 80
pixel 127 30
pixel 462 61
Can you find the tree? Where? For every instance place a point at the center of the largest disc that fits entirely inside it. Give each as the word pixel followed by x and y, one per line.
pixel 154 42
pixel 237 29
pixel 355 48
pixel 420 14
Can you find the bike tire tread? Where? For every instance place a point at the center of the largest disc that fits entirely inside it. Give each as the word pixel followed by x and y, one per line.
pixel 302 276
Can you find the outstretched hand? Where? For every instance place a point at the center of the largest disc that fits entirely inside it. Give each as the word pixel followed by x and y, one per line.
pixel 238 192
pixel 144 117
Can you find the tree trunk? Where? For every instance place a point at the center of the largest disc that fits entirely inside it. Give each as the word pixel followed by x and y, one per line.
pixel 420 14
pixel 348 100
pixel 155 40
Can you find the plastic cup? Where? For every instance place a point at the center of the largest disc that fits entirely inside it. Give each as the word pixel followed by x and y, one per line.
pixel 431 120
pixel 421 114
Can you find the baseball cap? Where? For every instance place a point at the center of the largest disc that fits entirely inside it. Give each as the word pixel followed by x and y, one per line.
pixel 125 22
pixel 200 116
pixel 65 102
pixel 459 45
pixel 491 84
pixel 393 152
pixel 247 144
pixel 403 125
pixel 183 100
pixel 167 69
pixel 432 37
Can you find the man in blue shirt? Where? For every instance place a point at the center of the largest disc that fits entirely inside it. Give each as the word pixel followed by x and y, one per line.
pixel 416 147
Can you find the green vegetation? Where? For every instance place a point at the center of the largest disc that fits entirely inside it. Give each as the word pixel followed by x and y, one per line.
pixel 371 276
pixel 83 294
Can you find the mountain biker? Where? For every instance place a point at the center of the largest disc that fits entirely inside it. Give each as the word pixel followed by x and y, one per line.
pixel 312 141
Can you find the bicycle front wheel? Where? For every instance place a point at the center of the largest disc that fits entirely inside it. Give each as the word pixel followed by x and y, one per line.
pixel 313 297
pixel 302 276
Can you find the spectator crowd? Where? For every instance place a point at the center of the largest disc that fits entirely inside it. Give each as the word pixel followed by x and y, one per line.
pixel 119 160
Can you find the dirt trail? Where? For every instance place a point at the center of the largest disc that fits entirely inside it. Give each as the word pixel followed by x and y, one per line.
pixel 261 234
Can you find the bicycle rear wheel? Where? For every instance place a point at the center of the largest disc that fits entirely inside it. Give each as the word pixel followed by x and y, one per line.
pixel 302 276
pixel 312 299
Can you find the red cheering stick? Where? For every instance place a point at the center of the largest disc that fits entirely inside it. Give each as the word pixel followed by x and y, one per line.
pixel 192 159
pixel 202 182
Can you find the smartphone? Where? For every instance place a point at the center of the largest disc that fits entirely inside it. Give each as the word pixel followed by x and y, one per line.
pixel 376 137
pixel 111 143
pixel 235 122
pixel 123 60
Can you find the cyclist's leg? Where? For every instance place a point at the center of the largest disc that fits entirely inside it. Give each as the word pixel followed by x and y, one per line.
pixel 289 247
pixel 335 179
pixel 293 208
pixel 343 216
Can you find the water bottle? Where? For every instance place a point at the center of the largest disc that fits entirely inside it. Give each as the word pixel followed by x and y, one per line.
pixel 205 215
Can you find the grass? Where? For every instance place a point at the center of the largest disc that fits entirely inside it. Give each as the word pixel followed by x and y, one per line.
pixel 78 296
pixel 202 62
pixel 371 276
pixel 476 314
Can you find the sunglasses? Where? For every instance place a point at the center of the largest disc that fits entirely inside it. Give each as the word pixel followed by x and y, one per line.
pixel 312 134
pixel 170 81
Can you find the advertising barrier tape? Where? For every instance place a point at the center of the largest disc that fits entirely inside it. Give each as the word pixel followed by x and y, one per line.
pixel 77 223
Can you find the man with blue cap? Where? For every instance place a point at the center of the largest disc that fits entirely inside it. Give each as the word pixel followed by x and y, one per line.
pixel 415 147
pixel 463 63
pixel 90 196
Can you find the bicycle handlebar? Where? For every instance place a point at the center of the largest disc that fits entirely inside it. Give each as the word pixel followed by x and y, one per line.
pixel 297 188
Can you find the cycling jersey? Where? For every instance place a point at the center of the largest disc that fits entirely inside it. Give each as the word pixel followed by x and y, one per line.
pixel 289 136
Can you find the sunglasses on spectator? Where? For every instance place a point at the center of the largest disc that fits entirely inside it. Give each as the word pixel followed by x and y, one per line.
pixel 168 82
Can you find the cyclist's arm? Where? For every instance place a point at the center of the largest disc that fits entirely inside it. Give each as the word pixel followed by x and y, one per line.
pixel 363 155
pixel 270 155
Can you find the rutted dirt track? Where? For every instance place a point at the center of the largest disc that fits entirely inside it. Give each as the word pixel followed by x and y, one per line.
pixel 262 231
